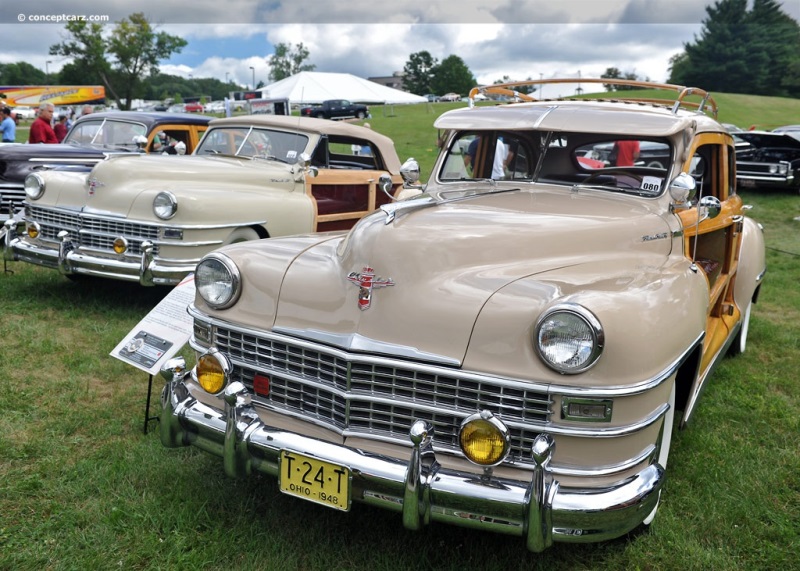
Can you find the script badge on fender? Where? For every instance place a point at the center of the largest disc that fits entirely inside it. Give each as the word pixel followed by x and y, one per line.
pixel 367 281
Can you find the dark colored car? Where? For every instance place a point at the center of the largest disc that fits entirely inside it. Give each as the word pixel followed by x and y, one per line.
pixel 91 139
pixel 770 159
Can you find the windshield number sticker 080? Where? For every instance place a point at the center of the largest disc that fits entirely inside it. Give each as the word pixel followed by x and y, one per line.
pixel 314 480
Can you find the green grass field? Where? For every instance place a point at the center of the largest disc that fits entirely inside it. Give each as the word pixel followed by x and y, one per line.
pixel 83 488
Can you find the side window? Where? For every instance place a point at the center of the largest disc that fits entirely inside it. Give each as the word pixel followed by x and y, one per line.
pixel 706 168
pixel 485 155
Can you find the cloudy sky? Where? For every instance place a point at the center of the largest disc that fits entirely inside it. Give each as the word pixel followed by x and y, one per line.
pixel 495 38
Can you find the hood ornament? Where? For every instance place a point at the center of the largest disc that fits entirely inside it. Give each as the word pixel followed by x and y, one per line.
pixel 92 184
pixel 367 281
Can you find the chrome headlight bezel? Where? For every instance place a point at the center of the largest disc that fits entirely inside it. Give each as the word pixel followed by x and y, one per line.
pixel 35 186
pixel 165 205
pixel 562 317
pixel 217 270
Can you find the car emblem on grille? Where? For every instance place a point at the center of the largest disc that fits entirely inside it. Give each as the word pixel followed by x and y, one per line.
pixel 367 281
pixel 92 184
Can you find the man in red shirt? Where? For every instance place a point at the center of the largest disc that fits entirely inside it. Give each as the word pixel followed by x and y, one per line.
pixel 41 130
pixel 627 153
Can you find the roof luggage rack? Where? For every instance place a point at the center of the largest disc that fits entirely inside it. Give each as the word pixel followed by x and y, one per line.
pixel 705 105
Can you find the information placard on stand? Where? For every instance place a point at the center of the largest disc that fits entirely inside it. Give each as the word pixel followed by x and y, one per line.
pixel 161 333
pixel 159 336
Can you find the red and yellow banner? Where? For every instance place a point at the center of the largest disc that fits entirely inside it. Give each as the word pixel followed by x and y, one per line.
pixel 58 95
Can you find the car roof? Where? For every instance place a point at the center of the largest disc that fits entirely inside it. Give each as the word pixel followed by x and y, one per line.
pixel 148 118
pixel 585 115
pixel 310 125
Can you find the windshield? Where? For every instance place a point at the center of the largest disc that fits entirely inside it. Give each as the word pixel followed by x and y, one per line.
pixel 614 163
pixel 253 143
pixel 106 133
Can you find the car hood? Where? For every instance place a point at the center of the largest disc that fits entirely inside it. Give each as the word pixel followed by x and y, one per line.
pixel 763 139
pixel 24 152
pixel 120 183
pixel 435 265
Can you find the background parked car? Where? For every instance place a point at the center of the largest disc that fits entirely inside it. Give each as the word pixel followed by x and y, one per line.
pixel 769 159
pixel 23 113
pixel 142 219
pixel 450 97
pixel 91 139
pixel 194 107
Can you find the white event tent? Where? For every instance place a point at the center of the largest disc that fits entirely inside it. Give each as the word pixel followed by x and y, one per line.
pixel 309 87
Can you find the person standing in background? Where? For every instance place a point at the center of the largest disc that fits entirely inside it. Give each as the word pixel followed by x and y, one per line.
pixel 87 110
pixel 8 127
pixel 41 130
pixel 60 128
pixel 627 152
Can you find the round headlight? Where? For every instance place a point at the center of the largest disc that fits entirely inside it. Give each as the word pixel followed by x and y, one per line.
pixel 212 371
pixel 217 281
pixel 165 205
pixel 569 338
pixel 34 186
pixel 484 439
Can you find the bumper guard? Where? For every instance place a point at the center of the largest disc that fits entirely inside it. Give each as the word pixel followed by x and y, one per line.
pixel 540 510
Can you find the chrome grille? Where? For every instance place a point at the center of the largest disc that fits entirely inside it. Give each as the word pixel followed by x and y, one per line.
pixel 90 231
pixel 10 197
pixel 368 396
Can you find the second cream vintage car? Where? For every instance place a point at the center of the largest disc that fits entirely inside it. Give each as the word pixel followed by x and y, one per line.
pixel 507 351
pixel 151 218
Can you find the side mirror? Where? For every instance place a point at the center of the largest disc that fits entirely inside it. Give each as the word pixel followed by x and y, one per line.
pixel 682 190
pixel 305 163
pixel 410 171
pixel 710 207
pixel 385 184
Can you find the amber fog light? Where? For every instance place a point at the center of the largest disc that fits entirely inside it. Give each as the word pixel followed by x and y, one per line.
pixel 484 439
pixel 120 245
pixel 33 230
pixel 213 371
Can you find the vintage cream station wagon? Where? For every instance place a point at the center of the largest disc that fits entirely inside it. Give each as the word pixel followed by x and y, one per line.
pixel 151 218
pixel 506 351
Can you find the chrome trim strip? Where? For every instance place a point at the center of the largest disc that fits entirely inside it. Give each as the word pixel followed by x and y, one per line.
pixel 358 342
pixel 95 215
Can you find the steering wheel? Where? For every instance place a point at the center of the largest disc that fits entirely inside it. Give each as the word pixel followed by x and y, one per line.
pixel 622 178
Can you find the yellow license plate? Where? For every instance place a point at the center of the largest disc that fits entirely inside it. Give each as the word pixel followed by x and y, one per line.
pixel 314 480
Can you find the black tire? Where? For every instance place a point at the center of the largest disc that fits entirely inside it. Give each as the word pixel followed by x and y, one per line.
pixel 361 115
pixel 740 341
pixel 242 235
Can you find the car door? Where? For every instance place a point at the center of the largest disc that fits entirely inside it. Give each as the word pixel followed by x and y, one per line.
pixel 346 186
pixel 712 237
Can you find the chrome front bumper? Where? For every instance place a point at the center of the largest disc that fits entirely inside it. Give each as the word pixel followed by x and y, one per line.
pixel 540 510
pixel 147 270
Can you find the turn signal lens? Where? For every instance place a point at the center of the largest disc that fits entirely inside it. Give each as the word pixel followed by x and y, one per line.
pixel 484 439
pixel 212 372
pixel 120 245
pixel 33 230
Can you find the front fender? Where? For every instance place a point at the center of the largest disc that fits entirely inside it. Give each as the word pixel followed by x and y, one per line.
pixel 650 314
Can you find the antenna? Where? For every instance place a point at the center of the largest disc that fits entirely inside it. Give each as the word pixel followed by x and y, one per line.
pixel 697 228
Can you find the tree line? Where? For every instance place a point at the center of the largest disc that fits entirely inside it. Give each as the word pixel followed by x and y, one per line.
pixel 738 50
